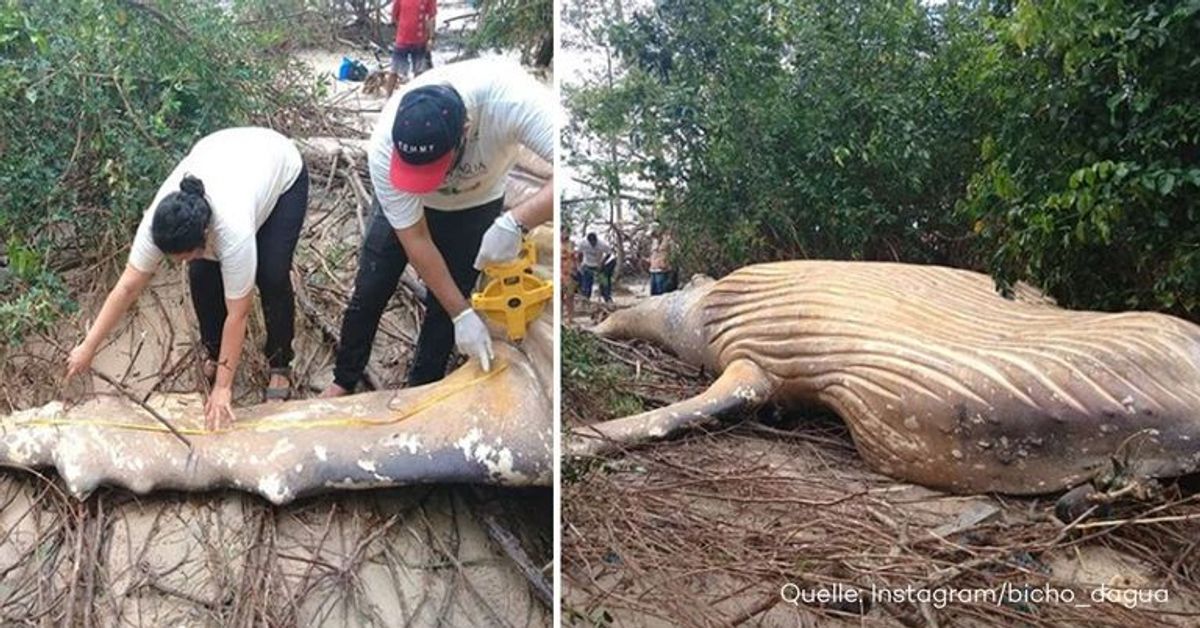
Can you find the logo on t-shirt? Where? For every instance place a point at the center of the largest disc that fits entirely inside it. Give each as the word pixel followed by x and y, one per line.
pixel 464 178
pixel 450 190
pixel 469 170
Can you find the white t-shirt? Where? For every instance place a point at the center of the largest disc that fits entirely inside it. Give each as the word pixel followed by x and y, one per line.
pixel 506 107
pixel 244 171
pixel 594 255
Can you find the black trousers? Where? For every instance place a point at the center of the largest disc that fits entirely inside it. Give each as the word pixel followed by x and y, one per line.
pixel 276 243
pixel 457 235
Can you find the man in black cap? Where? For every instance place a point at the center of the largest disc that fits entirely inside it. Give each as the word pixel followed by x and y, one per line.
pixel 439 158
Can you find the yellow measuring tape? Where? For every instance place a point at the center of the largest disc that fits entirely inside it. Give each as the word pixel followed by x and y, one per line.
pixel 268 425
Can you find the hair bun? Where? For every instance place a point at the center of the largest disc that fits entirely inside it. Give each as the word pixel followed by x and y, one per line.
pixel 191 185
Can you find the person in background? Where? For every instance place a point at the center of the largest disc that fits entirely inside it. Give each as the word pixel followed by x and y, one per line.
pixel 232 209
pixel 660 263
pixel 415 22
pixel 607 270
pixel 592 252
pixel 567 274
pixel 439 159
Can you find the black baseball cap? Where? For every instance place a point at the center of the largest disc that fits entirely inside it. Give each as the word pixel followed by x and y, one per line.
pixel 427 128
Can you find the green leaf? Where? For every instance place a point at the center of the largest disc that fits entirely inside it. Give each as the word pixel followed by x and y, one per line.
pixel 1166 183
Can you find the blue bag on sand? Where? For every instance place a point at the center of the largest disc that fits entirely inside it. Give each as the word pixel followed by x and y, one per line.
pixel 351 70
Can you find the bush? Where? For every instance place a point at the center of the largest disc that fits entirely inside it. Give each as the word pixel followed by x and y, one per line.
pixel 525 25
pixel 1056 142
pixel 816 129
pixel 1089 182
pixel 102 97
pixel 592 383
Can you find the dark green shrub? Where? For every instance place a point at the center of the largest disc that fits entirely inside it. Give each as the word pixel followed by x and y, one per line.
pixel 100 98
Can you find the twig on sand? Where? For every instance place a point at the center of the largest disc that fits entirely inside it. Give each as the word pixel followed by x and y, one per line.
pixel 512 548
pixel 327 329
pixel 360 193
pixel 128 394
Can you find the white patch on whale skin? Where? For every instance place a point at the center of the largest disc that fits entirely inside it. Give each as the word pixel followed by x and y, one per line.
pixel 497 459
pixel 122 457
pixel 282 446
pixel 279 421
pixel 274 489
pixel 68 458
pixel 467 442
pixel 346 482
pixel 370 467
pixel 27 443
pixel 321 452
pixel 52 410
pixel 225 457
pixel 24 446
pixel 746 392
pixel 403 441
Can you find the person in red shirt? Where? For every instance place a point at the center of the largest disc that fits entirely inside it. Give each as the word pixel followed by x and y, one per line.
pixel 415 21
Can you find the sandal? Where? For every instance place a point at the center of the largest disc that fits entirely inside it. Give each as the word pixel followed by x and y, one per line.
pixel 279 394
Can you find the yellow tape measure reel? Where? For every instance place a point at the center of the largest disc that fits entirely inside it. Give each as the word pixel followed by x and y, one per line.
pixel 513 295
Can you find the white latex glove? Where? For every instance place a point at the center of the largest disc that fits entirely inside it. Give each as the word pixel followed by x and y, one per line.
pixel 472 338
pixel 501 242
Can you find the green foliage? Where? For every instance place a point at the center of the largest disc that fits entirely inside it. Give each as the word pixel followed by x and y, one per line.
pixel 592 383
pixel 35 308
pixel 39 302
pixel 101 98
pixel 525 25
pixel 1050 141
pixel 1090 178
pixel 778 130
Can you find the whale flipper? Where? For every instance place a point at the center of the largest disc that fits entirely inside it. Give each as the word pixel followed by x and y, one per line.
pixel 742 385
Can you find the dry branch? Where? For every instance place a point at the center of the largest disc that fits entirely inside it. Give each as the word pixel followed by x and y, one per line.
pixel 511 545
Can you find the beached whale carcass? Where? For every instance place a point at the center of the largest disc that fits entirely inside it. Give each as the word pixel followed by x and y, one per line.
pixel 471 427
pixel 942 381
